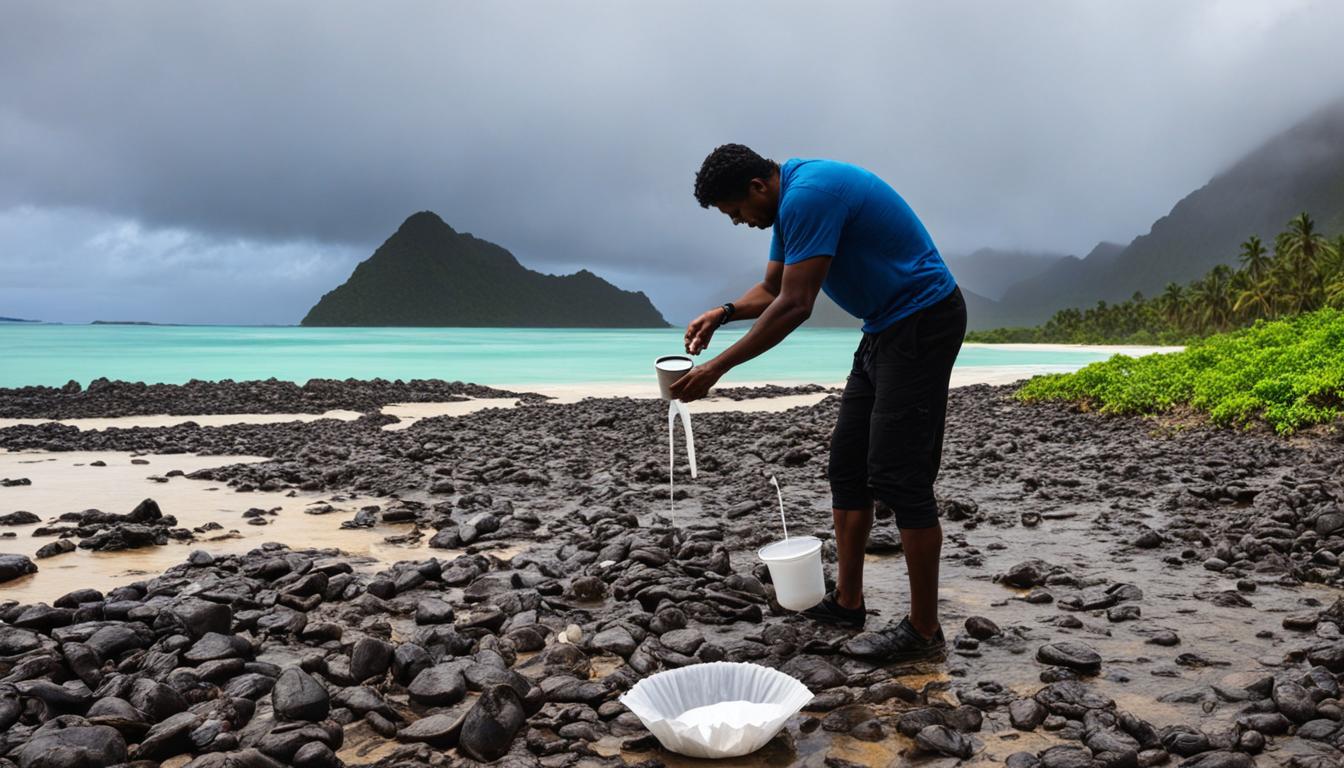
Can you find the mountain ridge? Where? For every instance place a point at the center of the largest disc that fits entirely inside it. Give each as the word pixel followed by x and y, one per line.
pixel 428 274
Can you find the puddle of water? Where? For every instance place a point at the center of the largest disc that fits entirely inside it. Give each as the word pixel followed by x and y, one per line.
pixel 60 484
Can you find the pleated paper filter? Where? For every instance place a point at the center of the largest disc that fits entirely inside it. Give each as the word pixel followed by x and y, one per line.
pixel 720 709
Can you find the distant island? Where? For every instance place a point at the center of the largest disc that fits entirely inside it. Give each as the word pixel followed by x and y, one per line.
pixel 17 320
pixel 128 322
pixel 427 274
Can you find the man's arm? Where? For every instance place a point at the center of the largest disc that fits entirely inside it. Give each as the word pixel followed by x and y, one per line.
pixel 759 296
pixel 799 286
pixel 750 304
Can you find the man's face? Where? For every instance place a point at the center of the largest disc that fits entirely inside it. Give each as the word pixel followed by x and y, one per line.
pixel 755 209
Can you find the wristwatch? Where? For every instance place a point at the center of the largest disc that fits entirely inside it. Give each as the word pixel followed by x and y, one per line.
pixel 728 310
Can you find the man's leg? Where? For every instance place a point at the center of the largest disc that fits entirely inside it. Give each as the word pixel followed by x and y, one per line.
pixel 851 500
pixel 912 370
pixel 923 547
pixel 851 539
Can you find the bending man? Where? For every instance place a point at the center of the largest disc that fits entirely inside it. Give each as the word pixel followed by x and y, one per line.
pixel 840 229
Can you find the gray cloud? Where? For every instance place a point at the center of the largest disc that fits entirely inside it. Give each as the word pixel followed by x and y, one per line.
pixel 570 132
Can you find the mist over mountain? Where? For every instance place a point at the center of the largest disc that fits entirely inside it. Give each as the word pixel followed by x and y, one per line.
pixel 1300 169
pixel 427 274
pixel 991 271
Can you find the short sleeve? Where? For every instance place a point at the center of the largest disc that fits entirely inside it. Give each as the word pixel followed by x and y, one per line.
pixel 776 245
pixel 810 223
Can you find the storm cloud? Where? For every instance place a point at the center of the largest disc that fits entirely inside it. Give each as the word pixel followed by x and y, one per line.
pixel 254 151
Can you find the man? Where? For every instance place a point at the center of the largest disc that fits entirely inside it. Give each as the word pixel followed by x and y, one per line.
pixel 841 229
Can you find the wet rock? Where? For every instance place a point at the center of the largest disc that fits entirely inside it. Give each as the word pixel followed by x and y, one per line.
pixel 912 722
pixel 66 747
pixel 1026 714
pixel 169 737
pixel 213 646
pixel 1071 654
pixel 1316 730
pixel 1184 741
pixel 1164 637
pixel 588 588
pixel 491 724
pixel 614 640
pixel 1294 701
pixel 868 645
pixel 21 517
pixel 54 548
pixel 940 739
pixel 981 628
pixel 438 730
pixel 433 611
pixel 1220 759
pixel 844 719
pixel 1071 699
pixel 439 685
pixel 814 672
pixel 1127 612
pixel 14 566
pixel 298 696
pixel 370 658
pixel 1066 757
pixel 315 755
pixel 1026 574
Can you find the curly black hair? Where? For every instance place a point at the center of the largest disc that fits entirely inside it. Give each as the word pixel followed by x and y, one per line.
pixel 727 171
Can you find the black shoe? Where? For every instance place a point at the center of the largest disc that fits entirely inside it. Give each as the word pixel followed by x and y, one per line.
pixel 830 611
pixel 904 643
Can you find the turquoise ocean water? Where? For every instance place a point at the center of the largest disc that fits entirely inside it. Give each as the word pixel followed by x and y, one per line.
pixel 52 354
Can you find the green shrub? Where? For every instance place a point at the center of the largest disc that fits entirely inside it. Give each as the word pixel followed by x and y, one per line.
pixel 1287 373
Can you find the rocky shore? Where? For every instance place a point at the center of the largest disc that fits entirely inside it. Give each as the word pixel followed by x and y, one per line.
pixel 108 399
pixel 1117 593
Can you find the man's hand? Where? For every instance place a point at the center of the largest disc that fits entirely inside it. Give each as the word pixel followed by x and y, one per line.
pixel 701 329
pixel 696 382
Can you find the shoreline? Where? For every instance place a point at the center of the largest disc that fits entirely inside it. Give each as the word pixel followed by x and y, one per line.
pixel 564 394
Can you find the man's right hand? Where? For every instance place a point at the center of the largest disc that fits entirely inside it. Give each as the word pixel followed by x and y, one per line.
pixel 701 330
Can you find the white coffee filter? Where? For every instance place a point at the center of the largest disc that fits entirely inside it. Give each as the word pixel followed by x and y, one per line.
pixel 660 700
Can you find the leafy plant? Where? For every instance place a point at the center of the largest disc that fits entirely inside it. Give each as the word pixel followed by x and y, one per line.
pixel 1287 373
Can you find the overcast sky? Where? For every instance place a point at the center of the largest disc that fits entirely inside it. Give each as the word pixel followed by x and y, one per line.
pixel 231 162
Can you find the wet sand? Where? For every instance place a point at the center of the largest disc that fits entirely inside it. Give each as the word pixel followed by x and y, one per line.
pixel 65 482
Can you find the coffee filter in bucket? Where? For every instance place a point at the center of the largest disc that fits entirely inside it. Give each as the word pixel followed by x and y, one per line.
pixel 671 705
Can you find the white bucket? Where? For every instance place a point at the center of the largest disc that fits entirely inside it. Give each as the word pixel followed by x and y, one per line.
pixel 795 569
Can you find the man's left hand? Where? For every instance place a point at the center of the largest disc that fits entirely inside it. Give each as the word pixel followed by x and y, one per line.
pixel 696 383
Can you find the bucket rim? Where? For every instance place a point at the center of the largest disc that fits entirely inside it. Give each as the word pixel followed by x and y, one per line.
pixel 801 555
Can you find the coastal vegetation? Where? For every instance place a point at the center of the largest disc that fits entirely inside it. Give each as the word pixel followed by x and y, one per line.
pixel 1286 373
pixel 1300 272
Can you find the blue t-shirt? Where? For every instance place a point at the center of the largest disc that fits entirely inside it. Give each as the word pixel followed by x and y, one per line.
pixel 884 265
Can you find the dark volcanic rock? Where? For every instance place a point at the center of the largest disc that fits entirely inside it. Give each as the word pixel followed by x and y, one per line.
pixel 14 566
pixel 298 696
pixel 489 728
pixel 1071 654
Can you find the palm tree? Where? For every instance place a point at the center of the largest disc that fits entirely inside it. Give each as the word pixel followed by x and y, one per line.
pixel 1254 258
pixel 1334 274
pixel 1174 306
pixel 1213 299
pixel 1306 251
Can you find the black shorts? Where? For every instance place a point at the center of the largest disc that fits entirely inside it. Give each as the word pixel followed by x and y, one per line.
pixel 888 439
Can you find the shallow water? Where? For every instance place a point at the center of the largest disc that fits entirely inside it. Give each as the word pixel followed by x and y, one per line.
pixel 505 357
pixel 64 482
